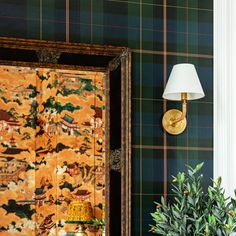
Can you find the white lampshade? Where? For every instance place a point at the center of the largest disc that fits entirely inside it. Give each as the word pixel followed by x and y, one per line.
pixel 183 79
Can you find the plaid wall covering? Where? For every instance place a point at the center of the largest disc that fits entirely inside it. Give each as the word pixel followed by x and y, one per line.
pixel 161 33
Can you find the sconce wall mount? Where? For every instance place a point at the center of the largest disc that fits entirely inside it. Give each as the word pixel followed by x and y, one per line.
pixel 174 121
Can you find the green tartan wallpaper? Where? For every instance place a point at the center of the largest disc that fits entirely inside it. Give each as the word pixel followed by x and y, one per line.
pixel 160 33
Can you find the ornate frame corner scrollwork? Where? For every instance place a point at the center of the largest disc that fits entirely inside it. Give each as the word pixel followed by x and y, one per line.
pixel 115 160
pixel 114 63
pixel 48 56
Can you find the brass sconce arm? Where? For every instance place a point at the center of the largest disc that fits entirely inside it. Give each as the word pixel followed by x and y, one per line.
pixel 184 110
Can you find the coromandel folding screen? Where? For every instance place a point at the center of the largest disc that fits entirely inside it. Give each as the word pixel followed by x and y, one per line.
pixel 52 149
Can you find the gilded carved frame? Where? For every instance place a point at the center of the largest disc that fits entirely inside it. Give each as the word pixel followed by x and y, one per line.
pixel 49 54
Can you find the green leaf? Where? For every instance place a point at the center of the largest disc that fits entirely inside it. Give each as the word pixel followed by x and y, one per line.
pixel 199 166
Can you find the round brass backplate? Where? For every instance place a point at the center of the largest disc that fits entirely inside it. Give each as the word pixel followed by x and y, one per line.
pixel 176 128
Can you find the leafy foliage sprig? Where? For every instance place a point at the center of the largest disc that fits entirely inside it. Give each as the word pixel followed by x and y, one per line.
pixel 194 212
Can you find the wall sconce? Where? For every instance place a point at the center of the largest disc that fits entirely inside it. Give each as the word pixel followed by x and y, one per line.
pixel 183 85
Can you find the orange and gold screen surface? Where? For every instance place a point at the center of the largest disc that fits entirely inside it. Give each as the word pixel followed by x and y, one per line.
pixel 52 148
